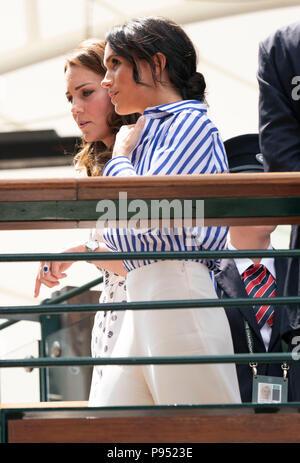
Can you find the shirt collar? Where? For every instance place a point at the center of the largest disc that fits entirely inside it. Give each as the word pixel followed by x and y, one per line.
pixel 243 263
pixel 173 108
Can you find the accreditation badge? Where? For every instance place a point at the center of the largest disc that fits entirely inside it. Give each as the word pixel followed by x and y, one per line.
pixel 269 389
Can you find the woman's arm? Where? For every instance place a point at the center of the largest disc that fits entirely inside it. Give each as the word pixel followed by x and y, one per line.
pixel 115 266
pixel 192 145
pixel 57 269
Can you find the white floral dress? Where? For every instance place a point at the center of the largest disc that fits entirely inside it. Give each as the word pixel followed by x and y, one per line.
pixel 107 326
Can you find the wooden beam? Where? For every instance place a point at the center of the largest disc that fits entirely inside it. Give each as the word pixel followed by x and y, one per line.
pixel 148 426
pixel 177 186
pixel 38 189
pixel 229 199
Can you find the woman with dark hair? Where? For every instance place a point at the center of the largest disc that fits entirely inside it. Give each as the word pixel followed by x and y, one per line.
pixel 151 70
pixel 94 113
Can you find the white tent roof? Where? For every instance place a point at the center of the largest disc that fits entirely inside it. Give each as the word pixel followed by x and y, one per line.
pixel 37 34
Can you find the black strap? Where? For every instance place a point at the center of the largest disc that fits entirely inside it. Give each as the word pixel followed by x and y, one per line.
pixel 249 339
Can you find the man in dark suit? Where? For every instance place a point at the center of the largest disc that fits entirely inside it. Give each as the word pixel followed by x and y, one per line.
pixel 244 156
pixel 279 99
pixel 279 129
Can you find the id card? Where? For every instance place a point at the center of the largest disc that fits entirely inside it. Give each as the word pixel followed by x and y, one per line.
pixel 269 389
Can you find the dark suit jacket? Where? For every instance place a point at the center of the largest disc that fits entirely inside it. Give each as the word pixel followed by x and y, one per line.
pixel 279 130
pixel 279 99
pixel 230 285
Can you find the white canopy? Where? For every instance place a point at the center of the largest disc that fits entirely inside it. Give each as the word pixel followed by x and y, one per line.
pixel 37 34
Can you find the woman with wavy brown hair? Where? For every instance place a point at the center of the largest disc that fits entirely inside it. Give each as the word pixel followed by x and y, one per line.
pixel 95 116
pixel 94 152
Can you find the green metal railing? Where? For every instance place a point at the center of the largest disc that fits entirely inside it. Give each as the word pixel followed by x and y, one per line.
pixel 87 209
pixel 73 292
pixel 57 308
pixel 220 203
pixel 57 300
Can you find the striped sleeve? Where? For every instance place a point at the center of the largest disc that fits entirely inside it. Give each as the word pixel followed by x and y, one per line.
pixel 119 166
pixel 189 147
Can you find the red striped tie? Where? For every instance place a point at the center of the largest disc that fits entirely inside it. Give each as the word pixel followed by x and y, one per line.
pixel 260 283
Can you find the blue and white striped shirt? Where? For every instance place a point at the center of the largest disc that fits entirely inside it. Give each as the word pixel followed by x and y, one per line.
pixel 177 138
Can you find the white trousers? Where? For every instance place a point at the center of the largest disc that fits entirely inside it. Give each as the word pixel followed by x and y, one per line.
pixel 171 332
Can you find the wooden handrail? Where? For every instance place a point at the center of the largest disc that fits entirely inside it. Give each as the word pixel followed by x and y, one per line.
pixel 218 425
pixel 230 199
pixel 176 186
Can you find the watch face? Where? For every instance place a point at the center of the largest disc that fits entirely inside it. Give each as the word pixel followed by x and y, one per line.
pixel 92 245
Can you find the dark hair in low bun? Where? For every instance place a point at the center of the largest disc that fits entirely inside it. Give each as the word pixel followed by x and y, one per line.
pixel 143 38
pixel 194 88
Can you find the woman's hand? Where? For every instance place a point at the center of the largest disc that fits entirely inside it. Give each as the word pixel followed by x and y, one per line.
pixel 47 278
pixel 55 271
pixel 127 138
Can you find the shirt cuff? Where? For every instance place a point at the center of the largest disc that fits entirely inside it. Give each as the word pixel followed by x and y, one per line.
pixel 119 166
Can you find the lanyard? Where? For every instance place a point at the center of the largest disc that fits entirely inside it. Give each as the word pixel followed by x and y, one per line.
pixel 249 339
pixel 253 365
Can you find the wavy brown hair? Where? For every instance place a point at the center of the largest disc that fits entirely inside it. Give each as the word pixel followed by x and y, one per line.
pixel 92 157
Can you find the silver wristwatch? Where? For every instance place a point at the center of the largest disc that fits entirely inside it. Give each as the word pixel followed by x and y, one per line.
pixel 91 245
